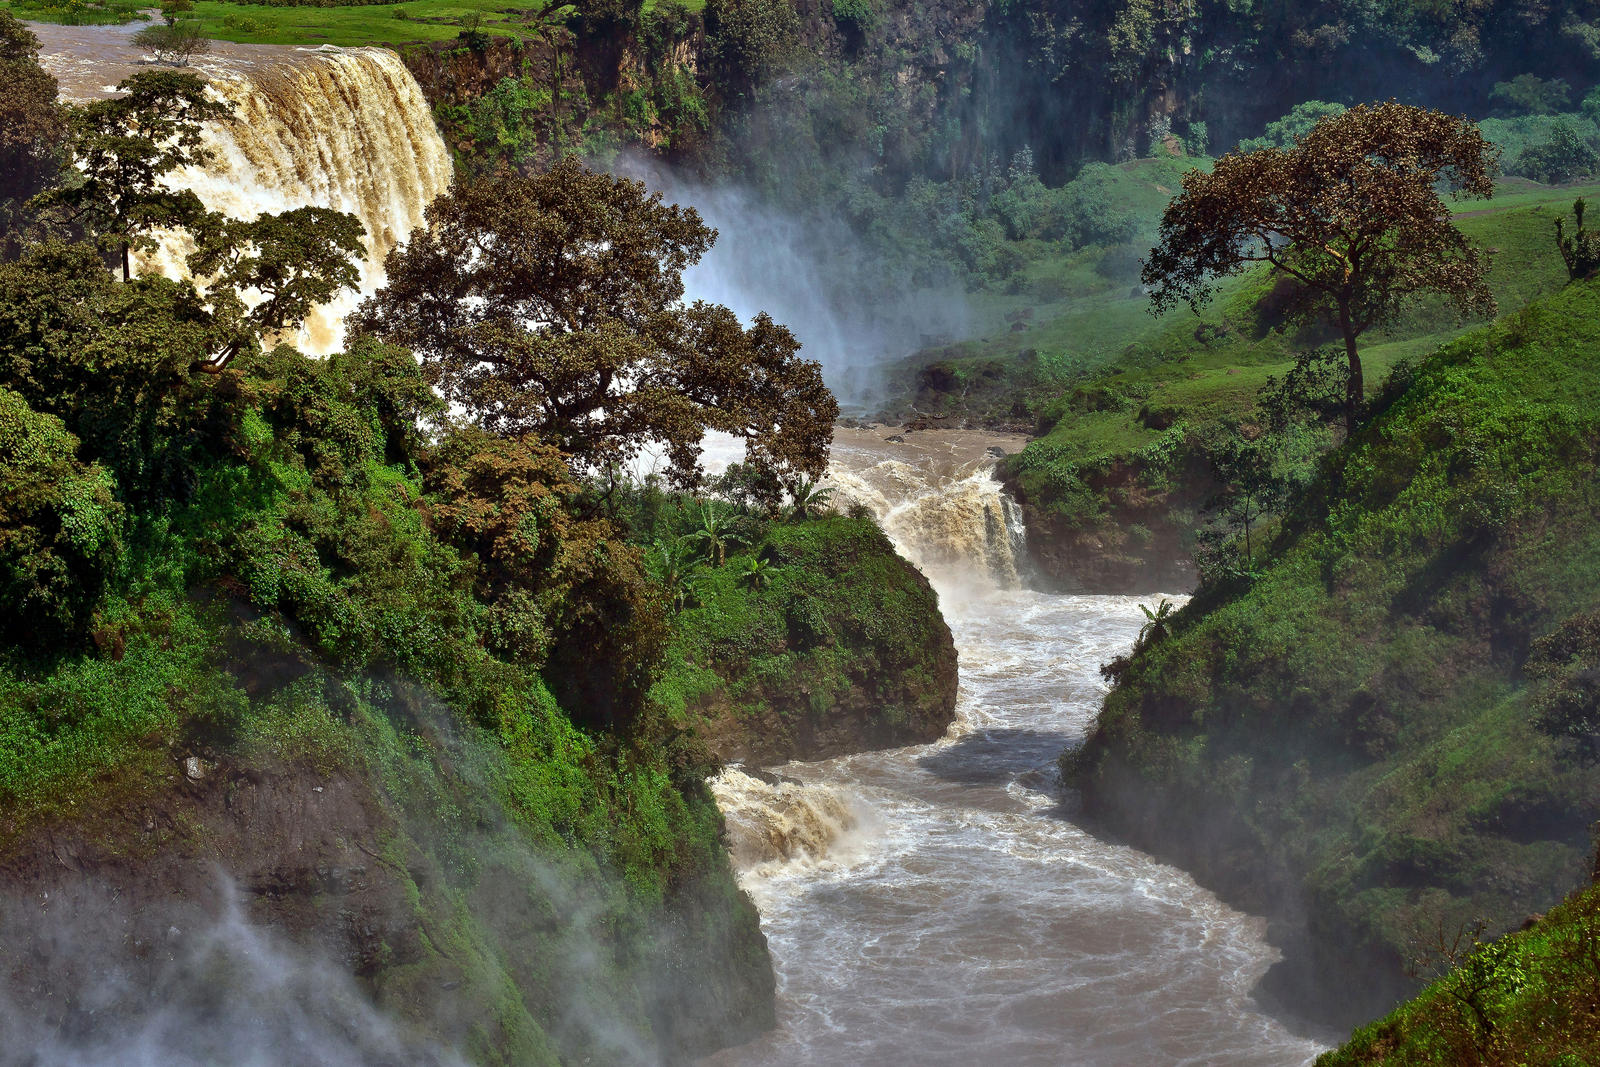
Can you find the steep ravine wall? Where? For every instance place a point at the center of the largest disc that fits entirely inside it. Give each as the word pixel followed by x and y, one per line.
pixel 375 901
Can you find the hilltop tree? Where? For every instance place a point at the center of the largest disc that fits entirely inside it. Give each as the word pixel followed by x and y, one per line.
pixel 123 148
pixel 553 305
pixel 1351 213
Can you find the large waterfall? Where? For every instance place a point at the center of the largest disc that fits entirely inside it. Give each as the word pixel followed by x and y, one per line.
pixel 341 128
pixel 344 128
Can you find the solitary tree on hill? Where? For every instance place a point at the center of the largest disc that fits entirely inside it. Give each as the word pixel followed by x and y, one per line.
pixel 1351 213
pixel 553 305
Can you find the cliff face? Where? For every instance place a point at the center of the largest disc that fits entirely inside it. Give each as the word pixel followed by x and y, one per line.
pixel 1144 543
pixel 374 893
pixel 1358 740
pixel 844 651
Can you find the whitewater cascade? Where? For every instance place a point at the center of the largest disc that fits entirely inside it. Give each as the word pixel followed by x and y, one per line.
pixel 937 497
pixel 934 905
pixel 342 128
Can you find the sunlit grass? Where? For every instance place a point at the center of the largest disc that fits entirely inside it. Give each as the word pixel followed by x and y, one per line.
pixel 410 22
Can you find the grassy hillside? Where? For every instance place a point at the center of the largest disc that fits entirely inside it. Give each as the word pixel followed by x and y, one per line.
pixel 1529 997
pixel 1347 740
pixel 1129 409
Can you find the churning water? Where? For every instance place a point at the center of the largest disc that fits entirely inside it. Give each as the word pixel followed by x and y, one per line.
pixel 934 905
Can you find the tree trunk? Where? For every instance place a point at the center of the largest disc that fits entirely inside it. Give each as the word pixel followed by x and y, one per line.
pixel 1355 388
pixel 127 272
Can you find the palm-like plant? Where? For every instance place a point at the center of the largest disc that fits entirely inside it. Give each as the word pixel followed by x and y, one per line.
pixel 757 573
pixel 715 534
pixel 808 499
pixel 1156 625
pixel 671 565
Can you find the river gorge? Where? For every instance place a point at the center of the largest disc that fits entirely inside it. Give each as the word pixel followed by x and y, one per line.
pixel 937 904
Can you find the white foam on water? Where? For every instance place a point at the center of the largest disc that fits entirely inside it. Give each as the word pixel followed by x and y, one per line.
pixel 977 923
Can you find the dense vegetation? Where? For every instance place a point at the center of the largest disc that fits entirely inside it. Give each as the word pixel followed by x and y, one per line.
pixel 1366 735
pixel 262 576
pixel 1529 997
pixel 811 642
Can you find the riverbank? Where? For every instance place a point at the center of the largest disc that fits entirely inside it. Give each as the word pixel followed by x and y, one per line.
pixel 1352 741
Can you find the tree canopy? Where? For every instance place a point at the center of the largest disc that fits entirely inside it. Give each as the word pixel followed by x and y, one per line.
pixel 1351 213
pixel 31 129
pixel 122 148
pixel 553 305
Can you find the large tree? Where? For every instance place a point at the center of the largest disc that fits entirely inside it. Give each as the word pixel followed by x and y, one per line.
pixel 553 305
pixel 1351 212
pixel 123 148
pixel 31 129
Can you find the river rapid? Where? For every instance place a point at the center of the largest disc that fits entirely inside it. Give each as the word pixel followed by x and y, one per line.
pixel 938 904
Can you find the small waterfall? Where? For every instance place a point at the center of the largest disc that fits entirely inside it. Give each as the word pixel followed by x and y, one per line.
pixel 341 128
pixel 771 823
pixel 944 509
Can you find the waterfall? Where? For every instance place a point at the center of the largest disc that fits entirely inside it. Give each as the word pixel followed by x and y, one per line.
pixel 773 822
pixel 341 128
pixel 936 495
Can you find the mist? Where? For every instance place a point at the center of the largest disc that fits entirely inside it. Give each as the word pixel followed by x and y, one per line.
pixel 93 979
pixel 850 312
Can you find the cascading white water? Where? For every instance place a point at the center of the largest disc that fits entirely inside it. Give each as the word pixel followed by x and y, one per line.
pixel 975 922
pixel 342 128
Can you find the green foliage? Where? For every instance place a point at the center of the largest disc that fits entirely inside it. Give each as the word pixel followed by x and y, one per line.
pixel 1581 251
pixel 1566 663
pixel 1562 158
pixel 751 37
pixel 823 617
pixel 1528 997
pixel 1353 726
pixel 1284 132
pixel 858 16
pixel 1527 94
pixel 175 41
pixel 60 527
pixel 123 148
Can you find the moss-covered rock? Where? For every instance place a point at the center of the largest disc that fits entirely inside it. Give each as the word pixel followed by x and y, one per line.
pixel 517 896
pixel 840 648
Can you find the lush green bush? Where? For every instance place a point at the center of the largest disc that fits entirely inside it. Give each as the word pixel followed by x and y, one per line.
pixel 1527 94
pixel 1562 158
pixel 60 527
pixel 1284 132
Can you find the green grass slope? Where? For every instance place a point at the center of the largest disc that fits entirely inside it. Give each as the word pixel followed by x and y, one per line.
pixel 349 25
pixel 1529 997
pixel 1347 741
pixel 1128 408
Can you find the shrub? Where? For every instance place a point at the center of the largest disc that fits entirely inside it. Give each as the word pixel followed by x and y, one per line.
pixel 1529 95
pixel 1561 158
pixel 60 525
pixel 1296 124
